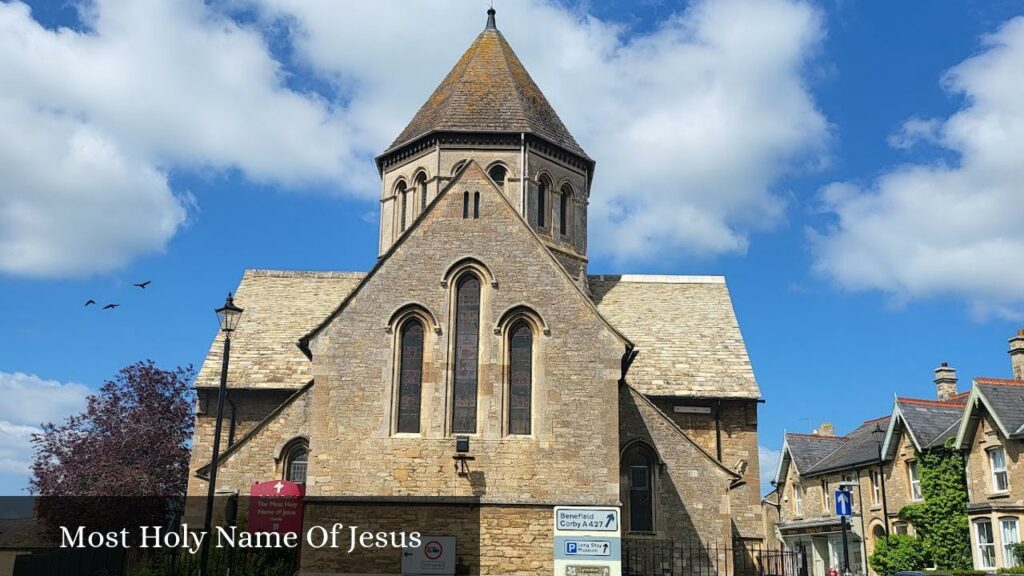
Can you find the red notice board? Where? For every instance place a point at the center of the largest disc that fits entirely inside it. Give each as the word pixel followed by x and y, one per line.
pixel 276 506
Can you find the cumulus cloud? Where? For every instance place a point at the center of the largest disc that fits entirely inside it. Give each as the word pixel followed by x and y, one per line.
pixel 30 401
pixel 691 124
pixel 945 228
pixel 95 119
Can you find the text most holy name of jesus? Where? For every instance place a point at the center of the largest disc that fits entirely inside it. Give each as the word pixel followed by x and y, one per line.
pixel 338 536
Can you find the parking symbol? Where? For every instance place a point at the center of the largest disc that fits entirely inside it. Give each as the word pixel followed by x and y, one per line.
pixel 570 548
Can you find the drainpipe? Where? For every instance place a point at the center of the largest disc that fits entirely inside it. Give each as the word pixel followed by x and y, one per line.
pixel 627 360
pixel 718 429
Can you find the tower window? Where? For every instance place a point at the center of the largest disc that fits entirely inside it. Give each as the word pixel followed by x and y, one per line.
pixel 465 204
pixel 410 372
pixel 421 188
pixel 542 202
pixel 467 350
pixel 520 378
pixel 458 166
pixel 498 173
pixel 563 210
pixel 476 204
pixel 401 191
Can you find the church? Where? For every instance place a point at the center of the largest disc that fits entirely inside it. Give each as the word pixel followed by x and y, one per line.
pixel 479 324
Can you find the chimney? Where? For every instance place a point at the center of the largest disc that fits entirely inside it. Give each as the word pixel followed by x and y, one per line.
pixel 1017 355
pixel 826 429
pixel 945 381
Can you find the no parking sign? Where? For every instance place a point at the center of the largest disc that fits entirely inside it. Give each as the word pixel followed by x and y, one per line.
pixel 435 556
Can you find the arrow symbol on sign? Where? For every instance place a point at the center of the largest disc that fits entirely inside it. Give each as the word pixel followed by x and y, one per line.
pixel 605 550
pixel 611 518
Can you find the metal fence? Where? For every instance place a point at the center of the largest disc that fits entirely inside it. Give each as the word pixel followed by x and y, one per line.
pixel 135 562
pixel 651 557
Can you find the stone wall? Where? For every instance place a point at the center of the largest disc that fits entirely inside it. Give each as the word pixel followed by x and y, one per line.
pixel 570 457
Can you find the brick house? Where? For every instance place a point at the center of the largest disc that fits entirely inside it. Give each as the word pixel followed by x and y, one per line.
pixel 991 435
pixel 479 320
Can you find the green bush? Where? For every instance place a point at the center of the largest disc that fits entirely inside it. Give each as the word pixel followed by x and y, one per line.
pixel 897 553
pixel 1014 570
pixel 1018 553
pixel 962 572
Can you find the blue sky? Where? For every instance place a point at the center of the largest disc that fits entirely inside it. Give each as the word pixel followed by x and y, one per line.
pixel 843 163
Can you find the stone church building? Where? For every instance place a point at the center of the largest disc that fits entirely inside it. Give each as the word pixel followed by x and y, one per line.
pixel 479 319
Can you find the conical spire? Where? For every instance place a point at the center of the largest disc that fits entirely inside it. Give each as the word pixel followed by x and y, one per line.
pixel 489 90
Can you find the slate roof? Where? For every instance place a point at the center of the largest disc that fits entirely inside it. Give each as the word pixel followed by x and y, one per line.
pixel 1006 397
pixel 931 422
pixel 806 450
pixel 489 90
pixel 859 448
pixel 685 330
pixel 279 308
pixel 684 327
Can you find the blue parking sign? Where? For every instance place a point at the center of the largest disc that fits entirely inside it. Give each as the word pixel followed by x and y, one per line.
pixel 844 503
pixel 570 548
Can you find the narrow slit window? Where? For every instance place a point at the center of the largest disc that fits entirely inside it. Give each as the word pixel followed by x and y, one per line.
pixel 520 378
pixel 421 188
pixel 404 199
pixel 476 205
pixel 465 205
pixel 467 350
pixel 410 385
pixel 563 211
pixel 542 201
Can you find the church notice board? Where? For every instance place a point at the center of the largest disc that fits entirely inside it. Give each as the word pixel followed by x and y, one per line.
pixel 276 506
pixel 588 541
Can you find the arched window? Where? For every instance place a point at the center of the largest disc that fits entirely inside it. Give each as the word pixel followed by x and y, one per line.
pixel 401 191
pixel 639 463
pixel 421 188
pixel 467 350
pixel 543 189
pixel 520 377
pixel 296 462
pixel 498 173
pixel 563 210
pixel 410 376
pixel 458 166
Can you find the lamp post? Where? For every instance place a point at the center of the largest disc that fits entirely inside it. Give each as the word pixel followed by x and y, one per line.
pixel 228 316
pixel 879 436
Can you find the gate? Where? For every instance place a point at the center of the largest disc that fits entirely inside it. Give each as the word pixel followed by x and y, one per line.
pixel 650 557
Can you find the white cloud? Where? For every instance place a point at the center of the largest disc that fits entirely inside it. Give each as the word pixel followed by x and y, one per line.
pixel 30 401
pixel 945 228
pixel 691 124
pixel 768 460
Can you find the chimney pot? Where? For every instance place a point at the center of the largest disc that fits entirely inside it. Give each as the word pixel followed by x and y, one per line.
pixel 826 429
pixel 945 381
pixel 1017 355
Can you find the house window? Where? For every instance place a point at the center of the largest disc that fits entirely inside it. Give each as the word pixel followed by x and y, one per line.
pixel 542 201
pixel 563 210
pixel 798 500
pixel 1011 535
pixel 914 479
pixel 421 188
pixel 640 467
pixel 410 376
pixel 901 528
pixel 467 350
pixel 520 377
pixel 404 199
pixel 876 487
pixel 498 173
pixel 986 544
pixel 997 463
pixel 825 503
pixel 296 463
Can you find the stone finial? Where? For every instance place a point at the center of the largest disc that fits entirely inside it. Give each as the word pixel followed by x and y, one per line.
pixel 826 429
pixel 491 25
pixel 1017 355
pixel 945 382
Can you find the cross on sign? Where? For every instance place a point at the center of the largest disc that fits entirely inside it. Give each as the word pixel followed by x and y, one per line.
pixel 278 487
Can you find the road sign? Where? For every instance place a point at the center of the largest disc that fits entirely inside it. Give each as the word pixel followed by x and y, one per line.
pixel 434 556
pixel 572 519
pixel 844 503
pixel 587 541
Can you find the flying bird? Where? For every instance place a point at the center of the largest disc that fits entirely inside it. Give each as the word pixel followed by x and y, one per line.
pixel 142 284
pixel 110 306
pixel 90 302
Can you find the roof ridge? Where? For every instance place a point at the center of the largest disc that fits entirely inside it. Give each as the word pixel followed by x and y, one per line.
pixel 816 436
pixel 275 273
pixel 660 278
pixel 998 381
pixel 879 419
pixel 927 402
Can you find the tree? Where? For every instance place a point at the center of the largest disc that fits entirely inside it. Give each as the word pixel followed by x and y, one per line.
pixel 131 441
pixel 941 520
pixel 897 553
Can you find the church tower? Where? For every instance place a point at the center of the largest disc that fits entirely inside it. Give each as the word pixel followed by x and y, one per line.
pixel 489 109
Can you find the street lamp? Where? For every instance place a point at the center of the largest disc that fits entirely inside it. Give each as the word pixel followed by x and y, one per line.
pixel 228 316
pixel 879 435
